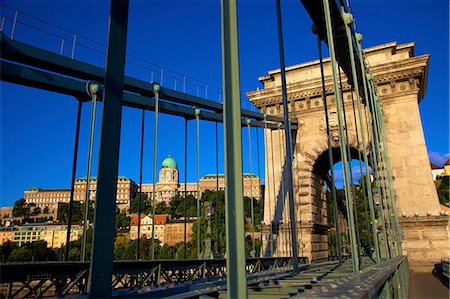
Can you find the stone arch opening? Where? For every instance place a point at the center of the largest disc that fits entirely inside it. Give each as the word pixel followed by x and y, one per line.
pixel 313 180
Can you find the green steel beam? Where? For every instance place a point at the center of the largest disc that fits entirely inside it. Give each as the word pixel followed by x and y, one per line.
pixel 19 74
pixel 344 158
pixel 100 273
pixel 72 181
pixel 234 206
pixel 383 173
pixel 46 60
pixel 393 215
pixel 368 183
pixel 289 154
pixel 155 148
pixel 348 20
pixel 375 167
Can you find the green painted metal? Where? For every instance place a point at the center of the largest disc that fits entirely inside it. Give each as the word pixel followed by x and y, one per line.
pixel 88 175
pixel 350 169
pixel 185 186
pixel 330 153
pixel 72 181
pixel 348 196
pixel 197 138
pixel 283 191
pixel 155 148
pixel 288 165
pixel 100 273
pixel 274 190
pixel 252 254
pixel 20 74
pixel 141 160
pixel 348 20
pixel 394 215
pixel 382 172
pixel 378 172
pixel 358 38
pixel 269 195
pixel 216 219
pixel 234 206
pixel 55 63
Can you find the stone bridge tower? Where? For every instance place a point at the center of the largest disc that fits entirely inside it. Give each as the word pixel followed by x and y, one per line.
pixel 401 79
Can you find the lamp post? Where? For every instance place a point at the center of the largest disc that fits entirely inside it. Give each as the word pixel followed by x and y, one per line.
pixel 209 211
pixel 208 252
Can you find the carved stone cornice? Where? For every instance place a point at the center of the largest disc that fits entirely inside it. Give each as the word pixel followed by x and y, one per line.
pixel 399 76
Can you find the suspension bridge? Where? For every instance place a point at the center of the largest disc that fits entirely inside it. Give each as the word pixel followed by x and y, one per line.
pixel 343 112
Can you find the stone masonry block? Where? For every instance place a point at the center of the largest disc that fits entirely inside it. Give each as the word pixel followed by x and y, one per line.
pixel 440 234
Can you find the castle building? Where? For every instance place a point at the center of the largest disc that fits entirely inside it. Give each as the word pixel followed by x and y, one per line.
pixel 49 199
pixel 169 186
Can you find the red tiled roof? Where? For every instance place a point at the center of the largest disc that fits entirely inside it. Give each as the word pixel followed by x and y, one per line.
pixel 434 166
pixel 134 220
pixel 448 162
pixel 160 219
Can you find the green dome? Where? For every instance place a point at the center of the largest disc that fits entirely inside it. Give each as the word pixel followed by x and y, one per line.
pixel 169 162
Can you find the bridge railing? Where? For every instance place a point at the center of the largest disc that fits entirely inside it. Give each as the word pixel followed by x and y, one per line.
pixel 26 280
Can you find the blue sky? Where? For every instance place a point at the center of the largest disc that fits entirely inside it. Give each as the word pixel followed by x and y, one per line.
pixel 37 128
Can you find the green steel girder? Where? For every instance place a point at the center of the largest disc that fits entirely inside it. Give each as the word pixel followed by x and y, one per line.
pixel 52 62
pixel 316 12
pixel 20 74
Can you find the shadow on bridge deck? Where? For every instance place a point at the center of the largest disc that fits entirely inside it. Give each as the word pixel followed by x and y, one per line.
pixel 423 285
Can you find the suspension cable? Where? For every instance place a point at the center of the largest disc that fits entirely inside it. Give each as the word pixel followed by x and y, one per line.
pixel 348 196
pixel 356 90
pixel 358 38
pixel 288 163
pixel 259 188
pixel 369 242
pixel 185 184
pixel 376 168
pixel 197 137
pixel 350 167
pixel 141 161
pixel 330 153
pixel 387 183
pixel 283 194
pixel 92 89
pixel 252 254
pixel 72 182
pixel 268 184
pixel 216 218
pixel 156 88
pixel 391 190
pixel 274 190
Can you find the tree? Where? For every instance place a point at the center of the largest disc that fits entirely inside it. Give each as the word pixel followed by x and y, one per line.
pixel 21 209
pixel 134 204
pixel 249 245
pixel 122 220
pixel 77 212
pixel 74 254
pixel 443 189
pixel 36 211
pixel 46 210
pixel 161 208
pixel 6 249
pixel 21 254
